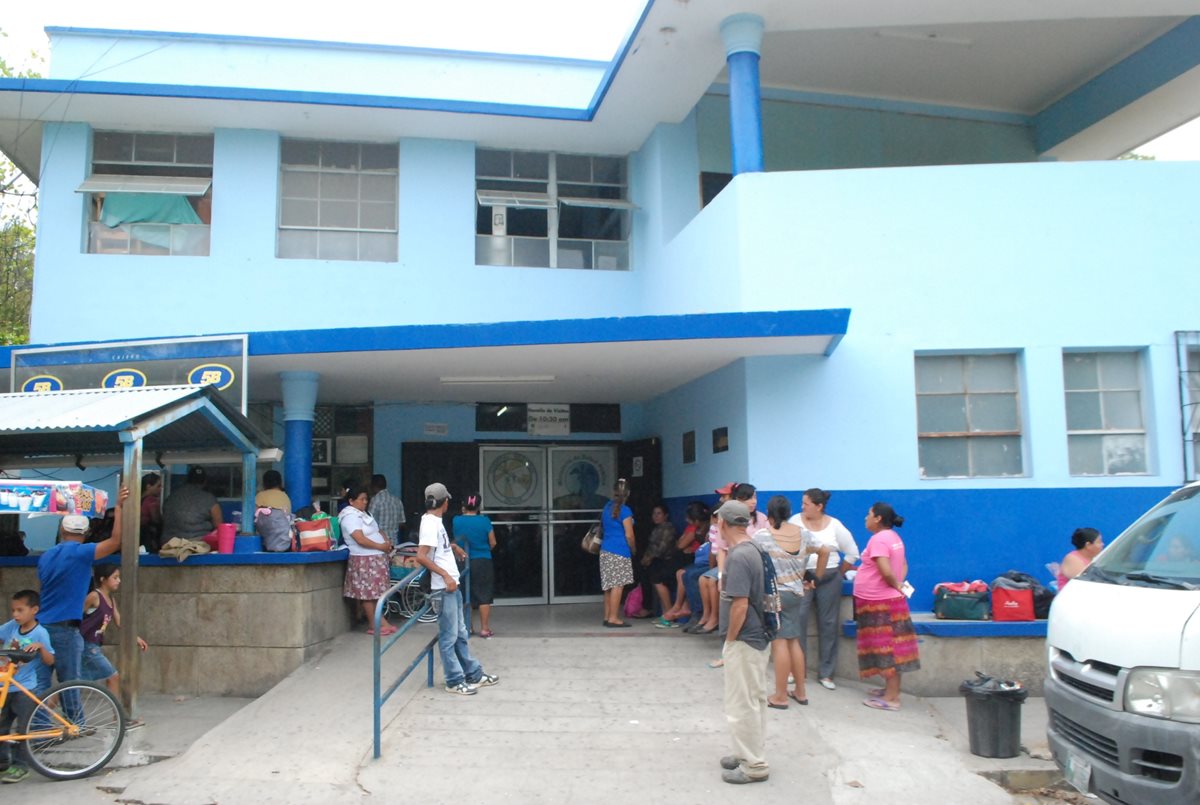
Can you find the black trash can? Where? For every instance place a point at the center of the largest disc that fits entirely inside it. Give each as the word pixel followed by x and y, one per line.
pixel 994 715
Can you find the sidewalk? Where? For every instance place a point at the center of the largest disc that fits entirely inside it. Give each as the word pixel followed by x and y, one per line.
pixel 582 714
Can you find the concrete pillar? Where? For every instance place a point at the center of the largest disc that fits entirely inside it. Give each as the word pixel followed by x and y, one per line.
pixel 299 409
pixel 742 36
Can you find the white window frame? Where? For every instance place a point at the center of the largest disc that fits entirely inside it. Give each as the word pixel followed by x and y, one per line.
pixel 972 434
pixel 1105 430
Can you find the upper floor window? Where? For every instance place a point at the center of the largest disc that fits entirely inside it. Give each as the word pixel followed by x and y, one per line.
pixel 968 416
pixel 551 210
pixel 1188 351
pixel 149 193
pixel 1106 434
pixel 337 200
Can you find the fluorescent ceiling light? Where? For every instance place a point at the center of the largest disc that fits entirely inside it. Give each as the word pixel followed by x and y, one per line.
pixel 483 379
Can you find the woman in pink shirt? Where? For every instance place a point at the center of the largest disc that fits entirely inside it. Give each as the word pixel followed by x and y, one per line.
pixel 887 644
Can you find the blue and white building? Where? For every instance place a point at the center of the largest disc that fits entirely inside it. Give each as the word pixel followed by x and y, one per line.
pixel 884 249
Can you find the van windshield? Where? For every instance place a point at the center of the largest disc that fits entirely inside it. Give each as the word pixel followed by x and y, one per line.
pixel 1162 549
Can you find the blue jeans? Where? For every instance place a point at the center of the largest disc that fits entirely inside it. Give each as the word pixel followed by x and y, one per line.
pixel 68 659
pixel 457 662
pixel 691 586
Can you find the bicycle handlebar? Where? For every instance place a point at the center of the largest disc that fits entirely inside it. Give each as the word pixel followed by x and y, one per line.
pixel 15 655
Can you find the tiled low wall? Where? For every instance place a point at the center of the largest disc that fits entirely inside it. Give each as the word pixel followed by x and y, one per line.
pixel 226 627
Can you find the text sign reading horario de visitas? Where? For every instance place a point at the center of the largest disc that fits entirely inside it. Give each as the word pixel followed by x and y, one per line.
pixel 548 419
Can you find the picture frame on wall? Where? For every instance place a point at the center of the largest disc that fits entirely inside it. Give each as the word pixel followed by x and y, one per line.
pixel 321 451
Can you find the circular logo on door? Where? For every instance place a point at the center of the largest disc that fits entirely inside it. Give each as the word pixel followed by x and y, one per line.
pixel 512 479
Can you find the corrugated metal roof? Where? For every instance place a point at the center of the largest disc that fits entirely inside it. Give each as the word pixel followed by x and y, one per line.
pixel 89 421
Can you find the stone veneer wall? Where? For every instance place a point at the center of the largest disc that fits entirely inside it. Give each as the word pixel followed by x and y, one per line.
pixel 227 630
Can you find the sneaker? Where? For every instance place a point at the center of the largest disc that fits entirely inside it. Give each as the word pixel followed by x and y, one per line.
pixel 462 689
pixel 739 777
pixel 729 763
pixel 662 623
pixel 827 683
pixel 485 681
pixel 14 774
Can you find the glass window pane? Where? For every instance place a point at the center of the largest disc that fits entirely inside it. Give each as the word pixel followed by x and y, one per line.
pixel 942 413
pixel 1119 370
pixel 610 170
pixel 377 246
pixel 493 251
pixel 297 243
pixel 573 168
pixel 611 256
pixel 1079 370
pixel 493 163
pixel 531 165
pixel 532 223
pixel 531 252
pixel 341 214
pixel 154 148
pixel 301 152
pixel 1122 409
pixel 339 186
pixel 1086 455
pixel 194 149
pixel 112 146
pixel 377 216
pixel 942 458
pixel 995 456
pixel 574 254
pixel 340 156
pixel 993 412
pixel 294 212
pixel 590 191
pixel 299 184
pixel 1124 454
pixel 337 245
pixel 378 188
pixel 1083 410
pixel 939 373
pixel 380 157
pixel 992 373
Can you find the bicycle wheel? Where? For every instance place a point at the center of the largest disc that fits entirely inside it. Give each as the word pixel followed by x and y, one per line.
pixel 97 727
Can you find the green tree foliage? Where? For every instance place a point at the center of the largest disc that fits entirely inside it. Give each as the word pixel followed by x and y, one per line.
pixel 18 211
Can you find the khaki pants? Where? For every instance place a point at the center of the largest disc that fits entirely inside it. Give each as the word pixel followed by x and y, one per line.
pixel 746 704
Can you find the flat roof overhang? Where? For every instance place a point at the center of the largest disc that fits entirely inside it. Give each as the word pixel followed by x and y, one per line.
pixel 604 360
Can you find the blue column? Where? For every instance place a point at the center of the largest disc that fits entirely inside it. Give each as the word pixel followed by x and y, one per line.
pixel 742 36
pixel 299 408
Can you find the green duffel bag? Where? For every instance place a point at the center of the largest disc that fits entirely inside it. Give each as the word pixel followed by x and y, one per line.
pixel 962 606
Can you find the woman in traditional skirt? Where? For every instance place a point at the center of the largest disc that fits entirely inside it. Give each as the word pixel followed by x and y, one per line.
pixel 616 552
pixel 367 568
pixel 887 644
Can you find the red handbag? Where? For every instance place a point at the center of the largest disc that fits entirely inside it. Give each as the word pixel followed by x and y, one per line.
pixel 1012 605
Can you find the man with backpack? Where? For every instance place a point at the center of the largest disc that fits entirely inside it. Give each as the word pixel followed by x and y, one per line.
pixel 746 625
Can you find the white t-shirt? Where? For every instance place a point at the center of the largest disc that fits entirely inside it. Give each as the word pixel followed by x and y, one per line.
pixel 835 536
pixel 351 520
pixel 433 534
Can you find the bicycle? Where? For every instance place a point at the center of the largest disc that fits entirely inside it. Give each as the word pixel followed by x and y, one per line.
pixel 72 733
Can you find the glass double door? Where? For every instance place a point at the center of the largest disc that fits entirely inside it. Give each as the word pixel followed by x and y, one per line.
pixel 542 500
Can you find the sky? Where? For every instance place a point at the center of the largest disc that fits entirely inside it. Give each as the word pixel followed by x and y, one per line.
pixel 545 27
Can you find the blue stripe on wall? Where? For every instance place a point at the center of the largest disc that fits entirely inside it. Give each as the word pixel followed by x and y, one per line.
pixel 1164 59
pixel 957 535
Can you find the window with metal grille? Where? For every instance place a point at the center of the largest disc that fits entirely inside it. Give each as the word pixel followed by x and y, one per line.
pixel 1106 433
pixel 968 416
pixel 1187 351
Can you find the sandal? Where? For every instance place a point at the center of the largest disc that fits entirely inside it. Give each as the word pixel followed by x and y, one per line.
pixel 876 693
pixel 716 663
pixel 487 634
pixel 792 695
pixel 875 703
pixel 774 706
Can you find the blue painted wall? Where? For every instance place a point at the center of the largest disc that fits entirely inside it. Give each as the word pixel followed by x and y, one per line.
pixel 809 136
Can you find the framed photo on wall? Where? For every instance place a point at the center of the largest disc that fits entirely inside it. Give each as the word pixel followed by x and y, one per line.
pixel 321 451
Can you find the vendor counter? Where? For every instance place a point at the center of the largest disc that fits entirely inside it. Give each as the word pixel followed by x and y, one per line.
pixel 225 624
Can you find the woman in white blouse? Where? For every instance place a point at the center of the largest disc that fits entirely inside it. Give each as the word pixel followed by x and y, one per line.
pixel 826 532
pixel 367 568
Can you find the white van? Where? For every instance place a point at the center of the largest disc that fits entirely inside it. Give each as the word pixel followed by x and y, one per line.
pixel 1123 684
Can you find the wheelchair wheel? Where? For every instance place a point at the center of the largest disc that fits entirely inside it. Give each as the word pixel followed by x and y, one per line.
pixel 94 729
pixel 413 599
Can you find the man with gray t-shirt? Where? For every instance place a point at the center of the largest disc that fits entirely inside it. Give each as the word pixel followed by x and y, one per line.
pixel 745 649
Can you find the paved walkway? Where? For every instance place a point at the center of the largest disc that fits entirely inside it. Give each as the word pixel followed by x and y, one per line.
pixel 582 714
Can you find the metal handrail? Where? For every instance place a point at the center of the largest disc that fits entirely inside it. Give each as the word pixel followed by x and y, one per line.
pixel 379 696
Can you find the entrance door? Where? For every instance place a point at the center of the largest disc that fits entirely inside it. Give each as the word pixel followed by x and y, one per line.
pixel 422 463
pixel 541 501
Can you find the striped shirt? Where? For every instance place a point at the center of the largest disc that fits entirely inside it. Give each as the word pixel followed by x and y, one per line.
pixel 789 568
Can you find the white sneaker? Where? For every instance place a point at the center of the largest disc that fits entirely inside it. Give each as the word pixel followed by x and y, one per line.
pixel 462 689
pixel 827 683
pixel 487 680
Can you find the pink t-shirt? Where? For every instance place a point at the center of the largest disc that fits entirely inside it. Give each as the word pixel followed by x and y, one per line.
pixel 868 583
pixel 714 536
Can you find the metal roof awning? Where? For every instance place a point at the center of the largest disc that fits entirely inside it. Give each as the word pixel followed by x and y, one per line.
pixel 92 426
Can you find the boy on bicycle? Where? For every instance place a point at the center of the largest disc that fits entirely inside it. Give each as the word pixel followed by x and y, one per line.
pixel 22 633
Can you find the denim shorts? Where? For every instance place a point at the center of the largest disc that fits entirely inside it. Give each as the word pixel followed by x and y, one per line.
pixel 95 666
pixel 711 573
